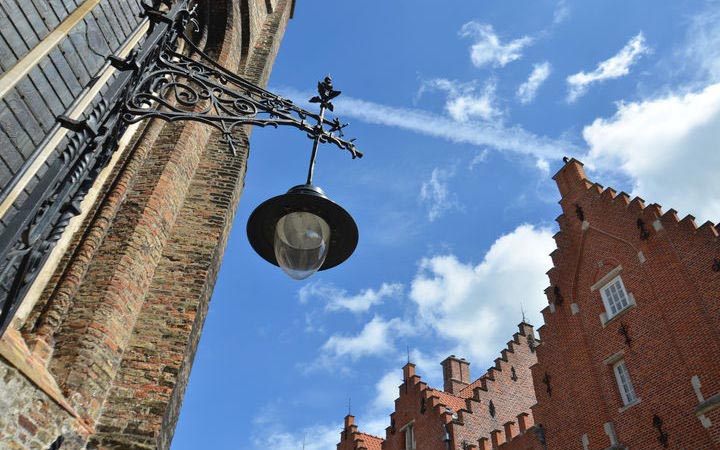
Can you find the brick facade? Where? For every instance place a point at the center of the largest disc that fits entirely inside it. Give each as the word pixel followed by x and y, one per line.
pixel 104 357
pixel 492 408
pixel 668 337
pixel 663 338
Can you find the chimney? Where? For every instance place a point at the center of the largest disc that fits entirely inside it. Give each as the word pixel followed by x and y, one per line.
pixel 456 374
pixel 408 371
pixel 349 430
pixel 571 179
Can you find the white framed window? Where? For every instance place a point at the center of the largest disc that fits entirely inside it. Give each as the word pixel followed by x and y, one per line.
pixel 409 431
pixel 615 297
pixel 622 376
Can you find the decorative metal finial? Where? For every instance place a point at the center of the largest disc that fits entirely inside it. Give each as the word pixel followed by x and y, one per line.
pixel 326 93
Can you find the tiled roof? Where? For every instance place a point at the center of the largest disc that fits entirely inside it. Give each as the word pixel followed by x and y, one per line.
pixel 371 442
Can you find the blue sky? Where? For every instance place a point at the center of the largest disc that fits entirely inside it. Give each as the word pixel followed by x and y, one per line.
pixel 464 112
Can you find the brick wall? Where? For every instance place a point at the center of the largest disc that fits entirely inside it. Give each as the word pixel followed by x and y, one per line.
pixel 423 409
pixel 461 417
pixel 29 418
pixel 510 391
pixel 668 336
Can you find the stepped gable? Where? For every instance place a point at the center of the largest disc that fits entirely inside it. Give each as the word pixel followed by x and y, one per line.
pixel 493 408
pixel 352 439
pixel 423 408
pixel 671 268
pixel 498 404
pixel 503 365
pixel 448 400
pixel 589 206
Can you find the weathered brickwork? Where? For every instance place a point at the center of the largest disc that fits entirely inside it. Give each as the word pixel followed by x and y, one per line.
pixel 119 322
pixel 667 339
pixel 30 419
pixel 494 407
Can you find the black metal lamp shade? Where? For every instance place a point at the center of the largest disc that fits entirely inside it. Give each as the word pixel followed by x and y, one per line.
pixel 303 198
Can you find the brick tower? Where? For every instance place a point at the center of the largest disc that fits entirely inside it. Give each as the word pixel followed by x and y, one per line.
pixel 100 346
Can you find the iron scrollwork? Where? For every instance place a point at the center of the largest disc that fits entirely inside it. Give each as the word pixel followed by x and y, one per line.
pixel 175 86
pixel 157 80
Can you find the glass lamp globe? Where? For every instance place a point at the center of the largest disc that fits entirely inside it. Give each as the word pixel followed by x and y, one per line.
pixel 301 244
pixel 302 231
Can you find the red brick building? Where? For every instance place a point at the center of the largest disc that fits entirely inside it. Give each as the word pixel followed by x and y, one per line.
pixel 628 358
pixel 465 412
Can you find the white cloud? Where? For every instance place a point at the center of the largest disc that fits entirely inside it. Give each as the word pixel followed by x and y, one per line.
pixel 478 306
pixel 527 91
pixel 488 50
pixel 338 299
pixel 316 437
pixel 480 157
pixel 562 12
pixel 670 146
pixel 492 134
pixel 464 107
pixel 702 51
pixel 543 165
pixel 436 195
pixel 386 391
pixel 615 67
pixel 376 338
pixel 463 101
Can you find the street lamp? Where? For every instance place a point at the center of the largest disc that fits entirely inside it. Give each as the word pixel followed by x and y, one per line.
pixel 168 77
pixel 301 231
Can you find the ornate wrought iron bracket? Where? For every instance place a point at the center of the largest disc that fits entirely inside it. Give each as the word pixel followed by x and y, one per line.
pixel 177 86
pixel 157 80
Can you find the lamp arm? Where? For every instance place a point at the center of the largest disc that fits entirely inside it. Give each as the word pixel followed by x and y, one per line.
pixel 175 86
